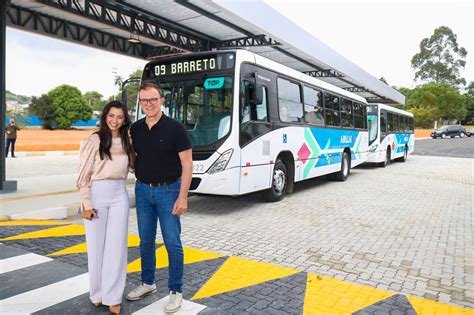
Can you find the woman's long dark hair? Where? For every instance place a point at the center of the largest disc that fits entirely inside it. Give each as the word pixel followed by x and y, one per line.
pixel 105 134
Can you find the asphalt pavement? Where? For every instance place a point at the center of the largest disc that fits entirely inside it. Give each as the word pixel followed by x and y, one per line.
pixel 450 147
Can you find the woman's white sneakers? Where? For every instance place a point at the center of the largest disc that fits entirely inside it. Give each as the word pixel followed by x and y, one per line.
pixel 174 302
pixel 141 291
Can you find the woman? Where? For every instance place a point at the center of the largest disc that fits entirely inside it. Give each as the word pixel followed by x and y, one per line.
pixel 105 158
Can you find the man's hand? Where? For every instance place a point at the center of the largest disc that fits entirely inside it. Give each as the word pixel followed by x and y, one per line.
pixel 89 214
pixel 180 206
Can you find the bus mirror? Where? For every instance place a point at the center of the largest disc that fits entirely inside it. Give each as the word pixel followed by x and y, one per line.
pixel 124 97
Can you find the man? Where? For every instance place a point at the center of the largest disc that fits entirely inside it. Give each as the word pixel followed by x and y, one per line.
pixel 163 169
pixel 11 130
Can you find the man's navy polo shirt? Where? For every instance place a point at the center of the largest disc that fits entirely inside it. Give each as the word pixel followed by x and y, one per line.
pixel 157 149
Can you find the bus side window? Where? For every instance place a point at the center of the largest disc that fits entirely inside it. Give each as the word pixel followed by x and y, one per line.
pixel 247 88
pixel 360 116
pixel 383 124
pixel 313 106
pixel 290 106
pixel 331 110
pixel 261 109
pixel 254 117
pixel 347 119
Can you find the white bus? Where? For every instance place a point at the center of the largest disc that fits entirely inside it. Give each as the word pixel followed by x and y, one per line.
pixel 391 134
pixel 257 125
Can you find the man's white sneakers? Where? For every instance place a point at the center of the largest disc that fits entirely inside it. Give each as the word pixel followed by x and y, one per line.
pixel 141 291
pixel 174 302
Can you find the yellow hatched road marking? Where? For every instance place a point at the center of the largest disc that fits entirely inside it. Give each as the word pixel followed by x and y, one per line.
pixel 325 295
pixel 69 230
pixel 423 307
pixel 237 273
pixel 31 222
pixel 76 249
pixel 191 255
pixel 133 241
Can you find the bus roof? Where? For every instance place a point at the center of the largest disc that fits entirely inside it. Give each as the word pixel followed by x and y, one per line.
pixel 392 109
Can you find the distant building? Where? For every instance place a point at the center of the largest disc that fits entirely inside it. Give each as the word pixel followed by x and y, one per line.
pixel 16 107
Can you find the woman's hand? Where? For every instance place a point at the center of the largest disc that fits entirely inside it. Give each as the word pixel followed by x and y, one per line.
pixel 89 214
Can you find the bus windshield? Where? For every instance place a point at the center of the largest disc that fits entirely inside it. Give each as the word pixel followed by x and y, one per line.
pixel 373 126
pixel 202 104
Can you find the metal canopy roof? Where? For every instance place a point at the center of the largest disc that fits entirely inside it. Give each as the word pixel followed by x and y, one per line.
pixel 168 27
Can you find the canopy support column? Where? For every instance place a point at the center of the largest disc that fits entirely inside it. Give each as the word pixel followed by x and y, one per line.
pixel 4 184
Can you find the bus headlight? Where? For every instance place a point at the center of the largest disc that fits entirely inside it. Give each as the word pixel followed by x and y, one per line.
pixel 221 162
pixel 372 149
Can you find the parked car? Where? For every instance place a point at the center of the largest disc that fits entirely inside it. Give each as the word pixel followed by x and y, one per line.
pixel 449 131
pixel 470 132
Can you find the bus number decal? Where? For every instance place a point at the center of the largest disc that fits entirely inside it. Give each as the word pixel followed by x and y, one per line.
pixel 285 138
pixel 160 70
pixel 198 168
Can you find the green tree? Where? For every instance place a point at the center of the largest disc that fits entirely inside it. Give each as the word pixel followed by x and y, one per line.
pixel 43 108
pixel 94 100
pixel 69 106
pixel 118 80
pixel 440 58
pixel 132 90
pixel 469 104
pixel 436 102
pixel 405 91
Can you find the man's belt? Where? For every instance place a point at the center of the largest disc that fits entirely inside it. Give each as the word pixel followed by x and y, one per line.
pixel 160 183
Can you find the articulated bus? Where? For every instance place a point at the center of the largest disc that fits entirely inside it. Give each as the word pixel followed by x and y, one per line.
pixel 391 134
pixel 257 125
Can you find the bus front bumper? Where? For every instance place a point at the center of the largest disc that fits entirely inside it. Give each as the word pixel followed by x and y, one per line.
pixel 376 157
pixel 221 183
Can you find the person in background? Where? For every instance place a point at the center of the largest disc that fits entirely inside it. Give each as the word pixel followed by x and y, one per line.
pixel 164 170
pixel 11 131
pixel 105 158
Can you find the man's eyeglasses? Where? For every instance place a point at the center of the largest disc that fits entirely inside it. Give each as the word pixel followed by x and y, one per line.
pixel 151 101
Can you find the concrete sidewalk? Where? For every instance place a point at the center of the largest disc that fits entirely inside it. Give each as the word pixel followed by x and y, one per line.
pixel 42 194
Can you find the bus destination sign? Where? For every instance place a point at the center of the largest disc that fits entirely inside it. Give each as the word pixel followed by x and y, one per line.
pixel 186 66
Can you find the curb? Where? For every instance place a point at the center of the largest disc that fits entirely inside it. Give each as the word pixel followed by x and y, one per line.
pixel 67 211
pixel 45 153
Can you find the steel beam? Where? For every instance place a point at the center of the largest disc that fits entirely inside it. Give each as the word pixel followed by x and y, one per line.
pixel 34 21
pixel 379 100
pixel 358 89
pixel 328 73
pixel 248 41
pixel 109 13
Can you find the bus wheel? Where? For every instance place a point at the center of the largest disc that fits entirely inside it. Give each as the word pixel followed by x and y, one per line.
pixel 279 183
pixel 404 157
pixel 345 168
pixel 387 159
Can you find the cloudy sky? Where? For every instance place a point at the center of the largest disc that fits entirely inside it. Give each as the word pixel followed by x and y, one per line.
pixel 381 36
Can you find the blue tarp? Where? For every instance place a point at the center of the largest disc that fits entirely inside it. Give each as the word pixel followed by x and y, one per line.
pixel 34 121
